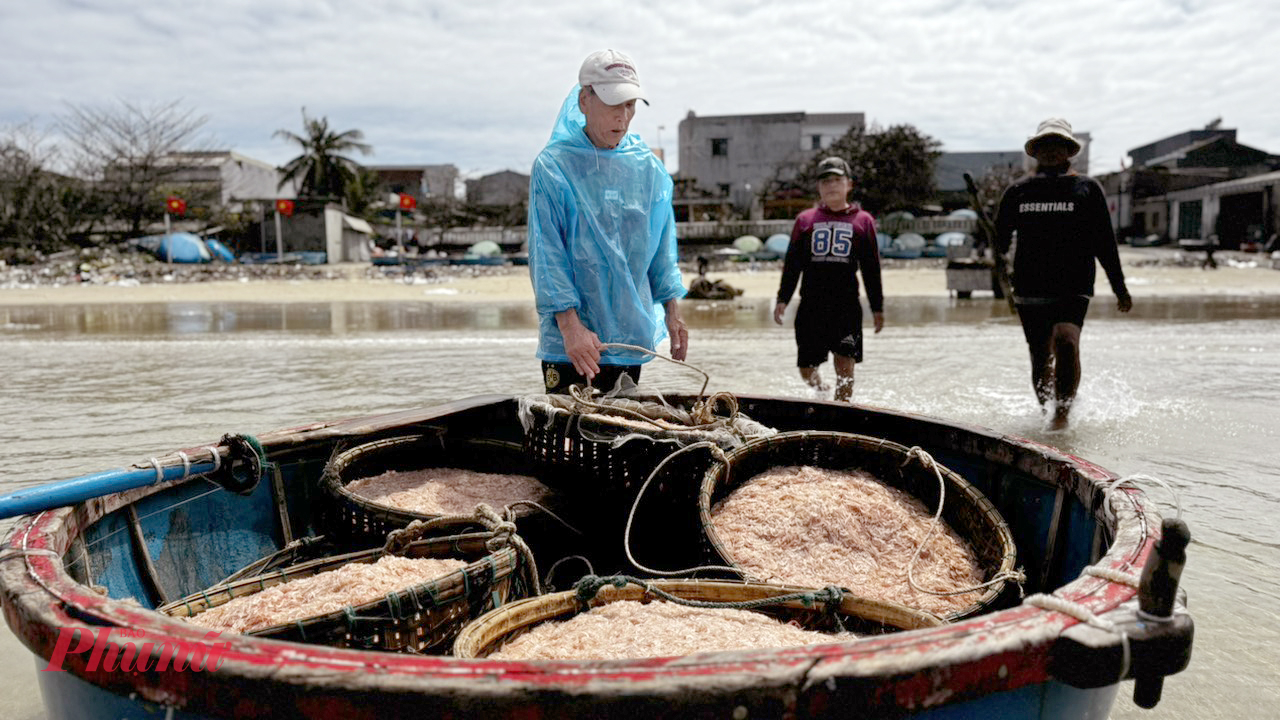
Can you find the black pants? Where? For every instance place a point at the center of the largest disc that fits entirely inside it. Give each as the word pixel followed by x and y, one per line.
pixel 557 377
pixel 1038 318
pixel 821 331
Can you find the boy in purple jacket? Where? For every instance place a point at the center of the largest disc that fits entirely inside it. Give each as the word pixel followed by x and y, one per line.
pixel 829 245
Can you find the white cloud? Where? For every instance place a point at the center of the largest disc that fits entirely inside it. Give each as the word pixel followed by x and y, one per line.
pixel 478 84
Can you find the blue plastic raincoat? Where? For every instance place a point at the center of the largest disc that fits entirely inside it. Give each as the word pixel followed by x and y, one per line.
pixel 601 239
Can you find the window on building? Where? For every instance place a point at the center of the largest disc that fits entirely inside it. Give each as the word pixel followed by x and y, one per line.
pixel 724 189
pixel 815 142
pixel 720 147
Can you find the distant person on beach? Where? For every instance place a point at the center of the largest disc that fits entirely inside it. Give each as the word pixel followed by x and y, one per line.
pixel 829 245
pixel 1210 247
pixel 602 241
pixel 1058 224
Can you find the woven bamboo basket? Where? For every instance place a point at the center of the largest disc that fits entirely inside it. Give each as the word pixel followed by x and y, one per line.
pixel 491 631
pixel 424 618
pixel 361 522
pixel 583 456
pixel 579 452
pixel 966 509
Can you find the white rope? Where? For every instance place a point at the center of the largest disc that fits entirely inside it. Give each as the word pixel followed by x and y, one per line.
pixel 927 460
pixel 626 535
pixel 186 464
pixel 159 470
pixel 1115 576
pixel 1075 610
pixel 217 459
pixel 1132 481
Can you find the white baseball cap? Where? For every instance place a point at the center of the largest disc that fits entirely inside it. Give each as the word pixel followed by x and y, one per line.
pixel 612 75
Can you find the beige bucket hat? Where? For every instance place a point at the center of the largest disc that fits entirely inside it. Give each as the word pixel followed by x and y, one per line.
pixel 1053 127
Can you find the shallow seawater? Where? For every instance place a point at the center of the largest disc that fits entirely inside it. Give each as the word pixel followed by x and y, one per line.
pixel 1186 390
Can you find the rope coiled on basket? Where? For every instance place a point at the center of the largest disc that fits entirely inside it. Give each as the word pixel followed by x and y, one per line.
pixel 1017 576
pixel 828 597
pixel 703 411
pixel 502 534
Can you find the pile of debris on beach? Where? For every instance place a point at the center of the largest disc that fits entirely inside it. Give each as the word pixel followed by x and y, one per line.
pixel 129 268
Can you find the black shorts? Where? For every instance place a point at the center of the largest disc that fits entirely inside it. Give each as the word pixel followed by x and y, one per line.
pixel 1038 318
pixel 820 332
pixel 557 377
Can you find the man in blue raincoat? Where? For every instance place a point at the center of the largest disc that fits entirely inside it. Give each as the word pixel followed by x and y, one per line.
pixel 602 243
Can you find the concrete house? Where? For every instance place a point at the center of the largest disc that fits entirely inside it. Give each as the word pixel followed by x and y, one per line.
pixel 1193 185
pixel 726 160
pixel 230 178
pixel 501 188
pixel 423 182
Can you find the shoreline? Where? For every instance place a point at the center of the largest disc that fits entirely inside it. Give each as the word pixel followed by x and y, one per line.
pixel 1149 273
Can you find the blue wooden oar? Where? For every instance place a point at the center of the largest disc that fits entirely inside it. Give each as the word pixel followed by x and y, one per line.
pixel 244 464
pixel 69 492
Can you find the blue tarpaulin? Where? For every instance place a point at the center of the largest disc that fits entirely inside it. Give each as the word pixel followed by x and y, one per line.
pixel 218 250
pixel 179 247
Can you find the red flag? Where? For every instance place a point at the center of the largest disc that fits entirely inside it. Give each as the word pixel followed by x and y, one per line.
pixel 285 207
pixel 176 205
pixel 408 202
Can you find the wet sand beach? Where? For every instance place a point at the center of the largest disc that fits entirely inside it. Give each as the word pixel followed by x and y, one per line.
pixel 1148 271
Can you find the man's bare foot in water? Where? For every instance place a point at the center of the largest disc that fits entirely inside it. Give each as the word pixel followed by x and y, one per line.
pixel 814 380
pixel 1059 421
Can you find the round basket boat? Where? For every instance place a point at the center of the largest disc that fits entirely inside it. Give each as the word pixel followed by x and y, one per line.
pixel 488 633
pixel 966 510
pixel 360 521
pixel 424 618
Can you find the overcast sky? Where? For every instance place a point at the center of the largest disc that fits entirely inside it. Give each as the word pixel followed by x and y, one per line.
pixel 477 83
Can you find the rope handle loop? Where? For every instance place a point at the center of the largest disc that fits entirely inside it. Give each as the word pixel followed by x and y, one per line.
pixel 702 413
pixel 502 531
pixel 1110 491
pixel 706 378
pixel 718 453
pixel 1018 576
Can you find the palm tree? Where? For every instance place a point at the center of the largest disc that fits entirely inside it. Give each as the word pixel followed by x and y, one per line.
pixel 322 168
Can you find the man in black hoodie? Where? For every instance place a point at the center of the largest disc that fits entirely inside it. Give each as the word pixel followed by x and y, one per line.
pixel 1057 224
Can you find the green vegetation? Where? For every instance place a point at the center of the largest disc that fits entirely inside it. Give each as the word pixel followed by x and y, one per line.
pixel 323 171
pixel 892 168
